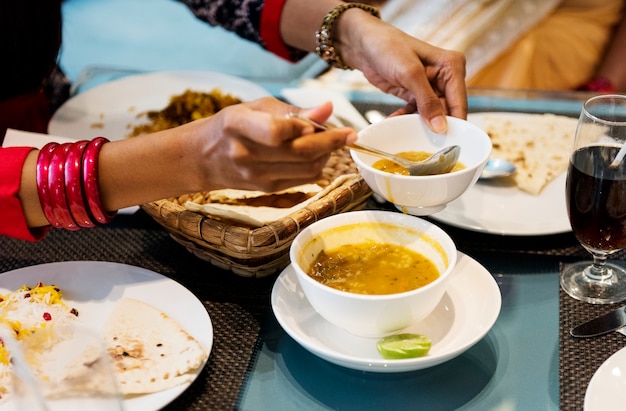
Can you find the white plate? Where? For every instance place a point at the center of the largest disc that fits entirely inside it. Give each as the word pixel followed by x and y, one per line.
pixel 605 391
pixel 468 310
pixel 492 208
pixel 111 110
pixel 93 287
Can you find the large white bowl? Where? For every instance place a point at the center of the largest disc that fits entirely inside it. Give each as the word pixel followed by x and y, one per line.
pixel 422 195
pixel 373 315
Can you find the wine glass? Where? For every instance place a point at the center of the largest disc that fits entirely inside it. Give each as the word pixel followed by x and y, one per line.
pixel 596 200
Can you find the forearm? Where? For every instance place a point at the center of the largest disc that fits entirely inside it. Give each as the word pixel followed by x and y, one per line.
pixel 144 169
pixel 301 18
pixel 130 172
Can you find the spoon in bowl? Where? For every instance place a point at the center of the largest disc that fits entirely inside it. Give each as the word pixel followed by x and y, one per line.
pixel 495 168
pixel 439 163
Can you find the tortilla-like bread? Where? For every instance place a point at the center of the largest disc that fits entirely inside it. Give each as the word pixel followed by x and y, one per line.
pixel 538 144
pixel 150 352
pixel 255 216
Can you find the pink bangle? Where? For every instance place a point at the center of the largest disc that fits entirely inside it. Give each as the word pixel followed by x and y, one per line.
pixel 43 190
pixel 56 185
pixel 91 190
pixel 73 185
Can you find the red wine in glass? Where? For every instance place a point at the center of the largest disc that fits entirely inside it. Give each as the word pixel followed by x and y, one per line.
pixel 596 199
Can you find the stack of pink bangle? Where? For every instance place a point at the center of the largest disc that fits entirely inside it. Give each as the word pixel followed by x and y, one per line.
pixel 67 184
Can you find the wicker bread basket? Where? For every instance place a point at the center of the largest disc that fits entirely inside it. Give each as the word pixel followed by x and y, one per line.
pixel 259 251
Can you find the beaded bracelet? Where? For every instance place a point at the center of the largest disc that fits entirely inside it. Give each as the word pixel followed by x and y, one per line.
pixel 67 184
pixel 324 36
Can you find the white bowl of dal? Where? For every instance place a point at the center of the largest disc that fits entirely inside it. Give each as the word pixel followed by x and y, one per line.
pixel 422 195
pixel 374 315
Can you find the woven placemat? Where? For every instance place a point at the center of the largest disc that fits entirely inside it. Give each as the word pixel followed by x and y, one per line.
pixel 580 358
pixel 237 306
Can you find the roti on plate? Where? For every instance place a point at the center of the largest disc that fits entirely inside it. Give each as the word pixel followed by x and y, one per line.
pixel 538 144
pixel 149 351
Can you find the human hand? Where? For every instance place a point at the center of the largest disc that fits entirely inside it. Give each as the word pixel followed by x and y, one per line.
pixel 256 146
pixel 430 79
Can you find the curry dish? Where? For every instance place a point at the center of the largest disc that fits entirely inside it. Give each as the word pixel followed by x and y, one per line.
pixel 184 108
pixel 373 268
pixel 391 167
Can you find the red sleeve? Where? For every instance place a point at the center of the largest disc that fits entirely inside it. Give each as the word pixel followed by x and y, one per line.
pixel 270 31
pixel 12 221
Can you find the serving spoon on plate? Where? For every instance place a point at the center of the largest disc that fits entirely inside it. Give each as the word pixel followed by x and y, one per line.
pixel 438 163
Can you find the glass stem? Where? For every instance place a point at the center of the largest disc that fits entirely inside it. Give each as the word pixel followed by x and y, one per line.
pixel 598 271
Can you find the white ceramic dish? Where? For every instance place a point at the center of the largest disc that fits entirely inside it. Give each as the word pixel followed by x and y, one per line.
pixel 467 311
pixel 605 391
pixel 110 110
pixel 422 195
pixel 494 208
pixel 93 287
pixel 373 315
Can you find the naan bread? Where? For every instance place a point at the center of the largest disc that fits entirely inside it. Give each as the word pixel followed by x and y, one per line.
pixel 538 144
pixel 149 350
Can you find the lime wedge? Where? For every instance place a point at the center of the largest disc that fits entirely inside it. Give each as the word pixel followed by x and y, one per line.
pixel 399 346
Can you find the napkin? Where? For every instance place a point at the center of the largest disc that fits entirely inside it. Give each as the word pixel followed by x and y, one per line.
pixel 19 138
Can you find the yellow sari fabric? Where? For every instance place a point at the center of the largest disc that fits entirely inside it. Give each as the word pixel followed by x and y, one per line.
pixel 561 52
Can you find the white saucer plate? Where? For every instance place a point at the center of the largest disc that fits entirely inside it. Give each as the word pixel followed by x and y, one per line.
pixel 496 208
pixel 605 391
pixel 93 288
pixel 466 313
pixel 112 109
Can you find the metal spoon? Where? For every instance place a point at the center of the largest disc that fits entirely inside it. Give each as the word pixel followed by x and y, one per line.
pixel 497 168
pixel 439 163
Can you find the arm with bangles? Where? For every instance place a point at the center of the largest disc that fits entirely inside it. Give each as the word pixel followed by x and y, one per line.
pixel 254 146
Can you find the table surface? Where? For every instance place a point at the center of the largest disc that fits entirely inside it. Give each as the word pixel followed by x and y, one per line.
pixel 254 364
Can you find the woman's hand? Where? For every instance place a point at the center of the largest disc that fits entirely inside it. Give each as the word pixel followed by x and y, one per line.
pixel 253 146
pixel 257 146
pixel 430 79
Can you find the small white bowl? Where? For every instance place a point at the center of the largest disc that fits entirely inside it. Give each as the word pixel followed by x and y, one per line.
pixel 422 195
pixel 373 315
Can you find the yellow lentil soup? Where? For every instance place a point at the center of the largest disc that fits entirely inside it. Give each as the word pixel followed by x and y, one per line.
pixel 373 268
pixel 391 167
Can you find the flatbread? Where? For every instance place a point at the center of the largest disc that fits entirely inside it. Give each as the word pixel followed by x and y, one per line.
pixel 538 144
pixel 149 350
pixel 257 216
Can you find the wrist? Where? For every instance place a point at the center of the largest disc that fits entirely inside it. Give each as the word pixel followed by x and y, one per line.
pixel 333 39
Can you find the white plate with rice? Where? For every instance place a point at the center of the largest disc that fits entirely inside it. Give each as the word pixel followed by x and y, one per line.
pixel 112 109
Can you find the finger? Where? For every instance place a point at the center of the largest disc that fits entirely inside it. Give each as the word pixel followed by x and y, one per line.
pixel 451 80
pixel 305 148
